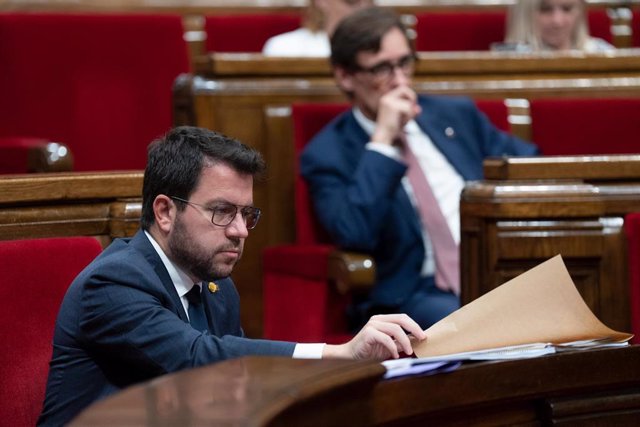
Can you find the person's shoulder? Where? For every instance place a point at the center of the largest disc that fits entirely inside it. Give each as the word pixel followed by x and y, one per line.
pixel 301 42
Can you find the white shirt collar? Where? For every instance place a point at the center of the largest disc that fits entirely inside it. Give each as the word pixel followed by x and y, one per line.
pixel 181 280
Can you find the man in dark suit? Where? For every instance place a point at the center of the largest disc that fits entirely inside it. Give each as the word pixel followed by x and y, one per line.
pixel 163 301
pixel 357 173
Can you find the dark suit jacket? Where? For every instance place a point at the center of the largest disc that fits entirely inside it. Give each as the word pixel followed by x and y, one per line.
pixel 359 199
pixel 122 322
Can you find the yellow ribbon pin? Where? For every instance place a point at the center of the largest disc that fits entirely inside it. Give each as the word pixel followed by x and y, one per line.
pixel 213 288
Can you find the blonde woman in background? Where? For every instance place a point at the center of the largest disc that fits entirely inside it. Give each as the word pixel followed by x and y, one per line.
pixel 312 39
pixel 535 25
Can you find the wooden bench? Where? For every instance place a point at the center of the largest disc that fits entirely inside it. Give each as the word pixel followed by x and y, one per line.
pixel 105 205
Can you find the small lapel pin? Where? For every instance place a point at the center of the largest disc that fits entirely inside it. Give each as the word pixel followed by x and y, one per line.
pixel 450 132
pixel 213 288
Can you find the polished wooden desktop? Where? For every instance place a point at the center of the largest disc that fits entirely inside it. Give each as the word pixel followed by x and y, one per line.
pixel 591 387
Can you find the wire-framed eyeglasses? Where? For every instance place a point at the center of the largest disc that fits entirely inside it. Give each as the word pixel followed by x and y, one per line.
pixel 384 70
pixel 223 214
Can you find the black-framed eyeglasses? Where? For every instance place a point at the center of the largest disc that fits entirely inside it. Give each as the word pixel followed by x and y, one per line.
pixel 384 70
pixel 223 214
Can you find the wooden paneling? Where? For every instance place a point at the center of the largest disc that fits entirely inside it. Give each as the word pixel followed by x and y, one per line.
pixel 514 223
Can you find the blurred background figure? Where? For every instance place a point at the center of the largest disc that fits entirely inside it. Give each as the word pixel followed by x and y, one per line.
pixel 535 25
pixel 321 18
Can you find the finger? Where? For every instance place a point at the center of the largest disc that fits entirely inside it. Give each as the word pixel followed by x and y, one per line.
pixel 406 322
pixel 375 337
pixel 395 331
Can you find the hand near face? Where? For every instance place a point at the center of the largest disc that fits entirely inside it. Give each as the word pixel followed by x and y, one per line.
pixel 383 337
pixel 396 108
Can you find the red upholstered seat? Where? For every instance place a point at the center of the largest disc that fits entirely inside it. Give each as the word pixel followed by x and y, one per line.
pixel 635 28
pixel 101 84
pixel 299 303
pixel 586 126
pixel 34 276
pixel 246 32
pixel 632 229
pixel 459 30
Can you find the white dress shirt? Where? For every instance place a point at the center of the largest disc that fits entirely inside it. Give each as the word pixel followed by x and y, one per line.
pixel 446 183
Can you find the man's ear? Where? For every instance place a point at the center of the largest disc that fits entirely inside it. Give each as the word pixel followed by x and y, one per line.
pixel 165 212
pixel 343 79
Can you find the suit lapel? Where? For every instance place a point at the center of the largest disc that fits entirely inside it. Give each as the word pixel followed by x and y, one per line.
pixel 143 245
pixel 445 135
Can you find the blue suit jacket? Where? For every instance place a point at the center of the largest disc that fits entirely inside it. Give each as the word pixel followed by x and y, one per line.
pixel 122 322
pixel 359 199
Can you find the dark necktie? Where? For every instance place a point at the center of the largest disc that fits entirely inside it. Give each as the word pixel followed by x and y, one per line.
pixel 444 246
pixel 197 317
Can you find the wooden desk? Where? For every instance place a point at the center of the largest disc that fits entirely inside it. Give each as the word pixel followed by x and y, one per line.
pixel 248 97
pixel 105 205
pixel 529 210
pixel 598 387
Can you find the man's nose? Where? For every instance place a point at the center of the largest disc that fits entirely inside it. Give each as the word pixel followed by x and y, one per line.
pixel 237 227
pixel 399 77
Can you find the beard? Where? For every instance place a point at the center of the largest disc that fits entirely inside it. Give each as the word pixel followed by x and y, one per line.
pixel 201 262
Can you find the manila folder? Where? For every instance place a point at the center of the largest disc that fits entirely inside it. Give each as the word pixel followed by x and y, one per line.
pixel 541 305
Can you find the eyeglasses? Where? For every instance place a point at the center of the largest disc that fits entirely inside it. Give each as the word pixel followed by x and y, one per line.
pixel 223 214
pixel 384 70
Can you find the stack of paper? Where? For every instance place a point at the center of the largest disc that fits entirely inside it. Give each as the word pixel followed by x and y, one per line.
pixel 537 313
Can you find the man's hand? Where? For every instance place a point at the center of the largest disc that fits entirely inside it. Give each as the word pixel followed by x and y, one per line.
pixel 383 337
pixel 396 108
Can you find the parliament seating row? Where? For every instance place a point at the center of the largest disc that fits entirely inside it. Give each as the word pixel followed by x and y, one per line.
pixel 459 30
pixel 250 97
pixel 84 61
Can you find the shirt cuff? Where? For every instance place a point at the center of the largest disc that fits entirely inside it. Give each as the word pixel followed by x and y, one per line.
pixel 385 149
pixel 308 351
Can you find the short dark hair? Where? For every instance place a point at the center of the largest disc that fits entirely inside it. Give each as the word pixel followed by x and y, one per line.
pixel 175 163
pixel 362 31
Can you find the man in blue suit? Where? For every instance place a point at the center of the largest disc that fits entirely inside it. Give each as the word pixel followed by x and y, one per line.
pixel 163 301
pixel 357 173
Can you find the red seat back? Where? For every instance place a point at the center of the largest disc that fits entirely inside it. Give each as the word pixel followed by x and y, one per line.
pixel 635 28
pixel 586 126
pixel 464 30
pixel 600 24
pixel 496 111
pixel 246 32
pixel 309 119
pixel 35 275
pixel 101 84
